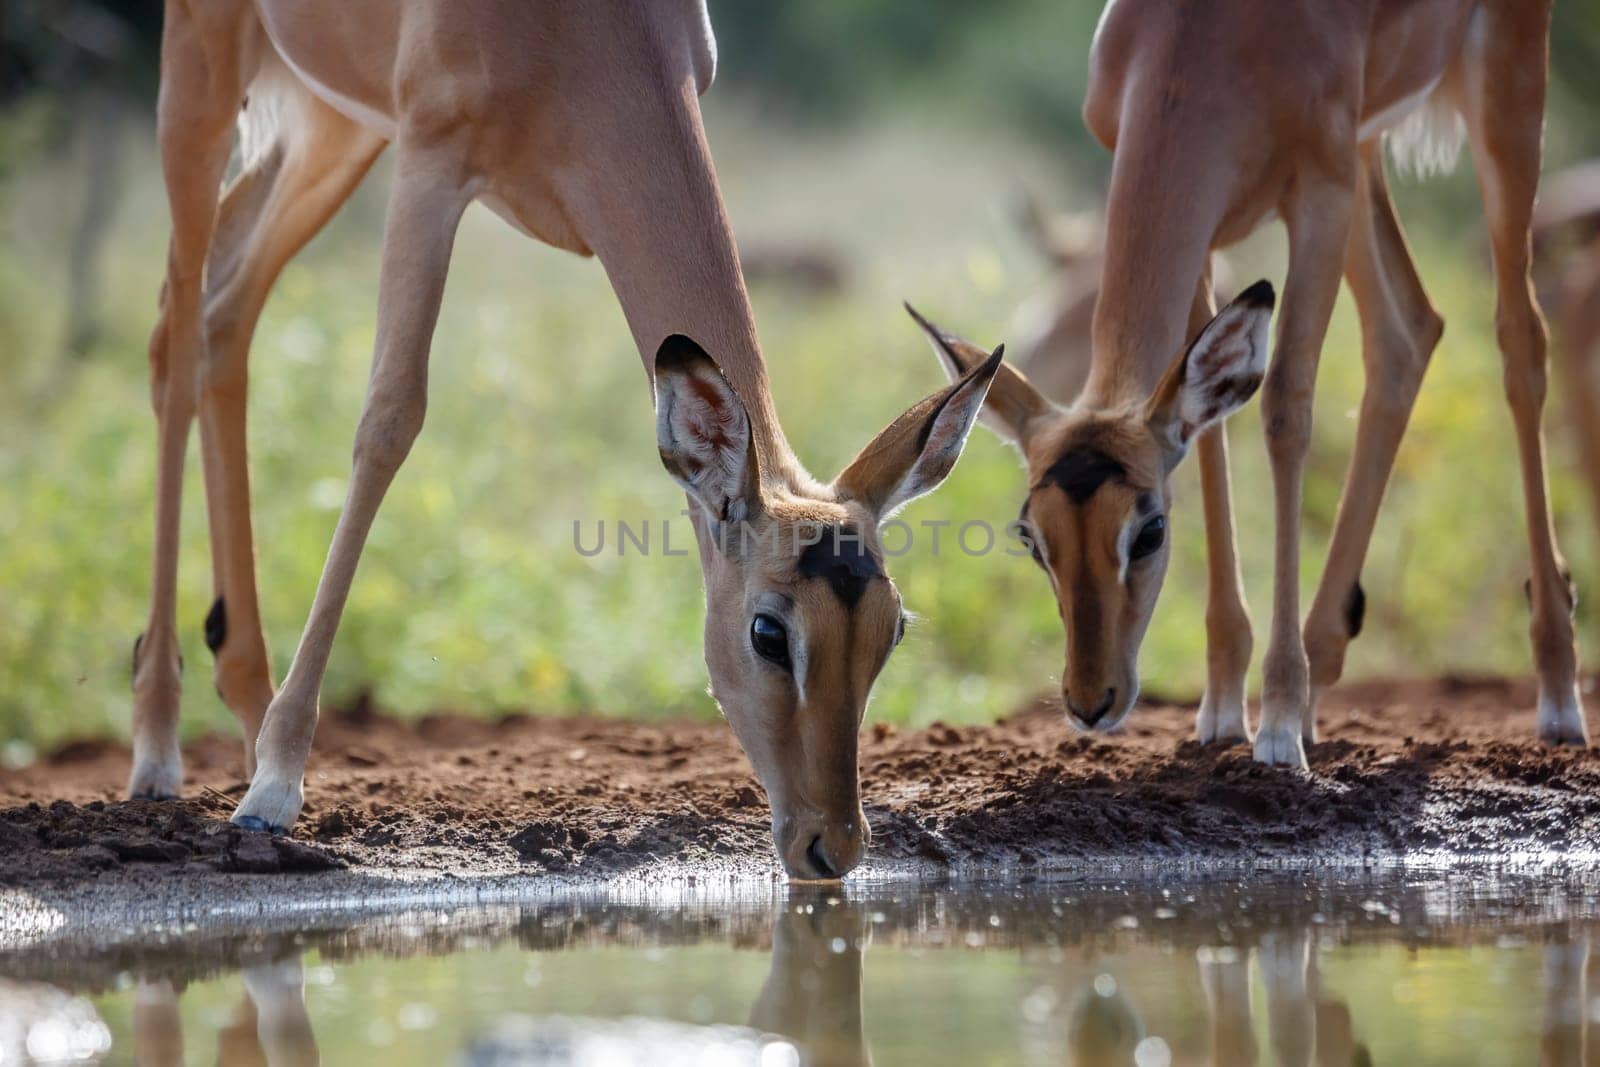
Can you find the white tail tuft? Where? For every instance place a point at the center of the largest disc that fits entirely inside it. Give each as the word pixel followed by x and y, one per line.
pixel 1428 140
pixel 272 97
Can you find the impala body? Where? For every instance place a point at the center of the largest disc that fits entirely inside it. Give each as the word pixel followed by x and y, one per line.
pixel 580 124
pixel 1222 116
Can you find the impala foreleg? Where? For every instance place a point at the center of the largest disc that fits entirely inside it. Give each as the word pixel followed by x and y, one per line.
pixel 1285 960
pixel 201 84
pixel 1399 330
pixel 1228 638
pixel 1225 979
pixel 1579 352
pixel 424 211
pixel 157 1025
pixel 267 215
pixel 1503 101
pixel 1566 1001
pixel 1318 223
pixel 277 991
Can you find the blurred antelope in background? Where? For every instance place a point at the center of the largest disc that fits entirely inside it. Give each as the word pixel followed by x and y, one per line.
pixel 1566 244
pixel 580 125
pixel 1220 117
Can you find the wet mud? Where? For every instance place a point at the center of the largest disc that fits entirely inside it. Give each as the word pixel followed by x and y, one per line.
pixel 1445 769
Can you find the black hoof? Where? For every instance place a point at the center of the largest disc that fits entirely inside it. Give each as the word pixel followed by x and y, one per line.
pixel 258 825
pixel 153 796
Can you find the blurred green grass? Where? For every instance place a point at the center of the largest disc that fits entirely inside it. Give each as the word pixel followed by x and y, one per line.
pixel 471 595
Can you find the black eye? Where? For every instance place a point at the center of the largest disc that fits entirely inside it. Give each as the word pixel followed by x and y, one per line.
pixel 770 640
pixel 900 630
pixel 1150 538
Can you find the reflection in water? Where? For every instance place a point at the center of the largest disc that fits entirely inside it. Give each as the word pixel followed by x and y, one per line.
pixel 812 994
pixel 269 1026
pixel 1305 1024
pixel 1128 974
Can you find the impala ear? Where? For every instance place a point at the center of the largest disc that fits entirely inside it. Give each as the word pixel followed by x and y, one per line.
pixel 1221 370
pixel 1012 402
pixel 703 433
pixel 915 452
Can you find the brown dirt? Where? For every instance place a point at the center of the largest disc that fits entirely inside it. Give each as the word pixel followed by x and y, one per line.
pixel 1446 767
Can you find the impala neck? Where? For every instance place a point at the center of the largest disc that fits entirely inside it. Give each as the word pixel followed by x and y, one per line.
pixel 1158 238
pixel 653 213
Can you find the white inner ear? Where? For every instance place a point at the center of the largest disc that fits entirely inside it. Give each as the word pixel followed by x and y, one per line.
pixel 1224 368
pixel 706 430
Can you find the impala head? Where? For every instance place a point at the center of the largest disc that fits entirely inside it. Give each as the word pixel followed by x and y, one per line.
pixel 1098 491
pixel 800 612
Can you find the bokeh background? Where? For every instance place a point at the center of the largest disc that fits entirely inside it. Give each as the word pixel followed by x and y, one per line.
pixel 870 151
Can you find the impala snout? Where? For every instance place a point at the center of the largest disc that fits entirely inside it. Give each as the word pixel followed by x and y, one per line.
pixel 1089 714
pixel 1105 626
pixel 819 847
pixel 1099 706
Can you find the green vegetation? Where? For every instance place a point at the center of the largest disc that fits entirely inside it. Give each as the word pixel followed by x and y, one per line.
pixel 471 594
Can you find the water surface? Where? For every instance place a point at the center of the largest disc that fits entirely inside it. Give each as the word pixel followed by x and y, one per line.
pixel 1284 967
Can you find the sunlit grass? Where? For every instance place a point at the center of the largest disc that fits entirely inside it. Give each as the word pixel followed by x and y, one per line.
pixel 471 594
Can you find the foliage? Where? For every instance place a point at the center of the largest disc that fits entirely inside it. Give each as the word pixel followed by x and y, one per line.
pixel 471 593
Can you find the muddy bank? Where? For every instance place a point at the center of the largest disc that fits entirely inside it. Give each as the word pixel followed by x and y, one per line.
pixel 1440 767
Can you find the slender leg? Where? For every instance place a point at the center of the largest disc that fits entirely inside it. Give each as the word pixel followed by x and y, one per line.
pixel 266 216
pixel 1504 106
pixel 1580 359
pixel 1225 978
pixel 283 1028
pixel 1285 960
pixel 1318 223
pixel 1399 330
pixel 424 210
pixel 1565 1004
pixel 157 1026
pixel 1228 637
pixel 201 84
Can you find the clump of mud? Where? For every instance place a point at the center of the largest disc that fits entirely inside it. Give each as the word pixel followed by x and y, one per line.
pixel 1447 767
pixel 65 841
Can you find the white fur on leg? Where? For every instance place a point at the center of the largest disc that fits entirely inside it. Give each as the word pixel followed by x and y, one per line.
pixel 1221 718
pixel 273 801
pixel 1284 958
pixel 282 1024
pixel 1561 719
pixel 157 695
pixel 1278 741
pixel 1225 978
pixel 157 771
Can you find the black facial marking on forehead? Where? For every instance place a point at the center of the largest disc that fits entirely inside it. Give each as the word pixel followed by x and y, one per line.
pixel 841 557
pixel 1081 471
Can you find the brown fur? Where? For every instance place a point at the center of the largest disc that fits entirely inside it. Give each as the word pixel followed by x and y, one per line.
pixel 1221 116
pixel 580 124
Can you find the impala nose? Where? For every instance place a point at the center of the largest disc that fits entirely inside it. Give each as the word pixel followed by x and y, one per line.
pixel 835 851
pixel 1091 716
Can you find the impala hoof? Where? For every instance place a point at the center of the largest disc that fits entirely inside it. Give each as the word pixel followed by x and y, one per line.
pixel 156 778
pixel 258 825
pixel 1281 746
pixel 1561 719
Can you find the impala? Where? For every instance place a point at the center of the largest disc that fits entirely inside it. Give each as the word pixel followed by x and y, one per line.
pixel 1221 116
pixel 579 123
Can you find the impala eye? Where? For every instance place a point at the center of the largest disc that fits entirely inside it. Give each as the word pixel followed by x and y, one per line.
pixel 770 640
pixel 900 630
pixel 1151 537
